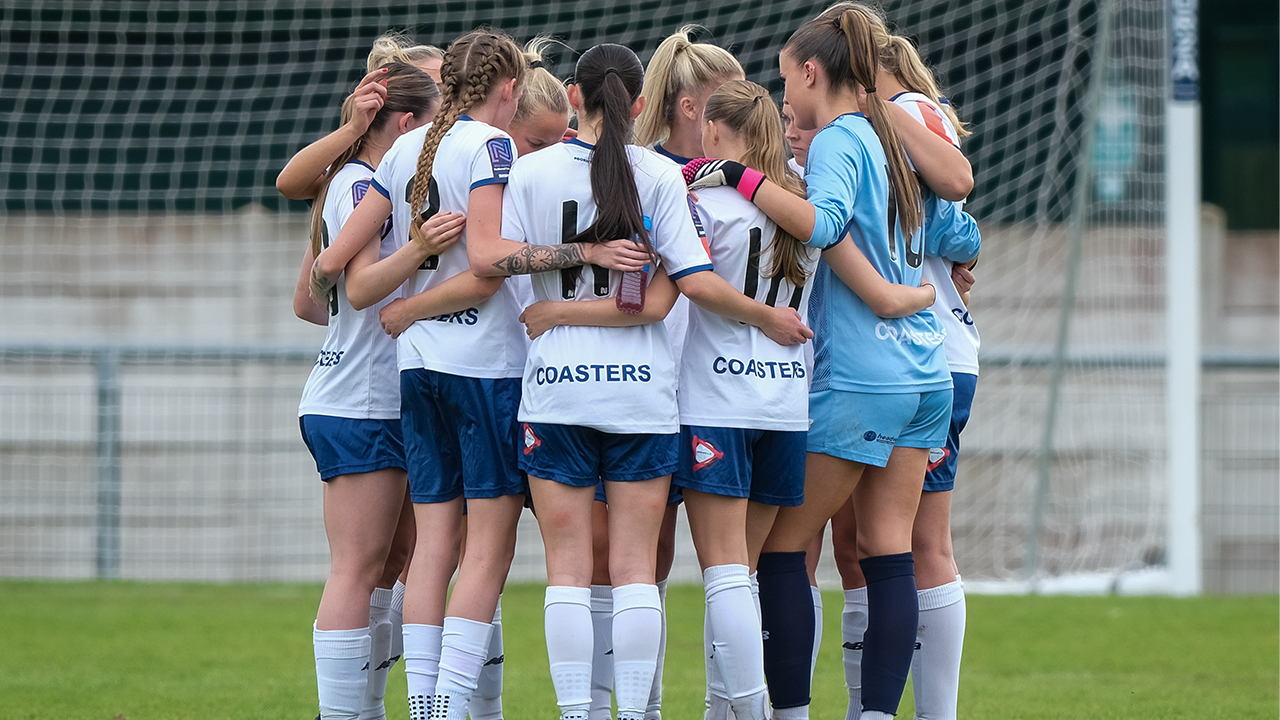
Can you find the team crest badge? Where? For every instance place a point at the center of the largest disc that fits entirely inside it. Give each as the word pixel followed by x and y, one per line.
pixel 531 441
pixel 358 191
pixel 937 456
pixel 704 454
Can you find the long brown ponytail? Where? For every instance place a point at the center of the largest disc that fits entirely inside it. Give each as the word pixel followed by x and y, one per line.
pixel 474 64
pixel 609 77
pixel 408 90
pixel 846 40
pixel 748 110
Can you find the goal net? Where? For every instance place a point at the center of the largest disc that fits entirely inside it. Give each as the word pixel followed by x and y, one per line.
pixel 150 364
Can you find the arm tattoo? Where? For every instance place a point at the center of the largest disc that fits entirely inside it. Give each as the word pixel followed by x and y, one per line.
pixel 540 258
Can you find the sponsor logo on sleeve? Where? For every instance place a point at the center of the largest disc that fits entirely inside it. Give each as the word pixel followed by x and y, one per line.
pixel 358 191
pixel 704 454
pixel 500 156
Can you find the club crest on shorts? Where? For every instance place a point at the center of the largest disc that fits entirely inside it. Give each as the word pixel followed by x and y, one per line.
pixel 937 456
pixel 531 441
pixel 704 453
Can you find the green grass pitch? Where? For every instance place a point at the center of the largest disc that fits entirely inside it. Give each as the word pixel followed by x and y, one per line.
pixel 138 651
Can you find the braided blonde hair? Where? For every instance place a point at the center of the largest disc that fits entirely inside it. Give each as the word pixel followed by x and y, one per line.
pixel 474 64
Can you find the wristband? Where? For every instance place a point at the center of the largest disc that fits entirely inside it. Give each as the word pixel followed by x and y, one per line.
pixel 750 183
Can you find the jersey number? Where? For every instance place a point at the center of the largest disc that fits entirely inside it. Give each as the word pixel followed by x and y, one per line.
pixel 751 283
pixel 915 254
pixel 333 292
pixel 433 207
pixel 569 276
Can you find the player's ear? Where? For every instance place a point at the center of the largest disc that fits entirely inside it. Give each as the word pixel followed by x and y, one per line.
pixel 637 107
pixel 689 106
pixel 405 123
pixel 810 69
pixel 575 97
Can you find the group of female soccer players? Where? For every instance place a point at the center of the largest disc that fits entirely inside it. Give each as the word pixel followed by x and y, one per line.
pixel 495 287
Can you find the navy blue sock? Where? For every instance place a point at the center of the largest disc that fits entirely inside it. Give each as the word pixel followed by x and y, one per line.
pixel 893 611
pixel 786 616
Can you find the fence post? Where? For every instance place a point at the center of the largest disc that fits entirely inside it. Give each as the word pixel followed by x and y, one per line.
pixel 107 365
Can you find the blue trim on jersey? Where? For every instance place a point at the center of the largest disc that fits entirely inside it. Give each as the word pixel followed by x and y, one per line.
pixel 657 147
pixel 361 162
pixel 490 181
pixel 378 186
pixel 689 271
pixel 576 141
pixel 466 117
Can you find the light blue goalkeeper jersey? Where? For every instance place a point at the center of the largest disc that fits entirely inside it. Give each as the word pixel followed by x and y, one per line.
pixel 854 349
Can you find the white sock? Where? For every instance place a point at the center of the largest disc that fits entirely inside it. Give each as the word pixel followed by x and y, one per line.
pixel 755 591
pixel 637 626
pixel 653 711
pixel 853 624
pixel 795 713
pixel 716 700
pixel 569 643
pixel 463 649
pixel 395 614
pixel 876 715
pixel 935 667
pixel 341 675
pixel 602 652
pixel 486 701
pixel 380 656
pixel 736 639
pixel 817 629
pixel 421 666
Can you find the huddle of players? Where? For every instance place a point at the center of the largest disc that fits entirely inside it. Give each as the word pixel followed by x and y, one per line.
pixel 483 227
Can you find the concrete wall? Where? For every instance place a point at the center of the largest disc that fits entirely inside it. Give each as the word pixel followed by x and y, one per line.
pixel 217 485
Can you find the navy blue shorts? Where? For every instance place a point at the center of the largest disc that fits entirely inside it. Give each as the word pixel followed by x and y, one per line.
pixel 766 466
pixel 460 435
pixel 941 476
pixel 581 457
pixel 346 446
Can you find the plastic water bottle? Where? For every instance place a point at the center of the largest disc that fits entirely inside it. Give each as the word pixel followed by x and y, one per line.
pixel 631 290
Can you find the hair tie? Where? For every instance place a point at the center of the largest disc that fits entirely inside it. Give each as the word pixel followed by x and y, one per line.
pixel 755 100
pixel 870 90
pixel 611 70
pixel 536 64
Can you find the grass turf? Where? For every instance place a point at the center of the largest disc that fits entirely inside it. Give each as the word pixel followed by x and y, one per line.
pixel 138 651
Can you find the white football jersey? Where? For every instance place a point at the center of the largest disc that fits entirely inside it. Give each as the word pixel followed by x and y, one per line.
pixel 616 380
pixel 485 341
pixel 355 375
pixel 962 341
pixel 732 375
